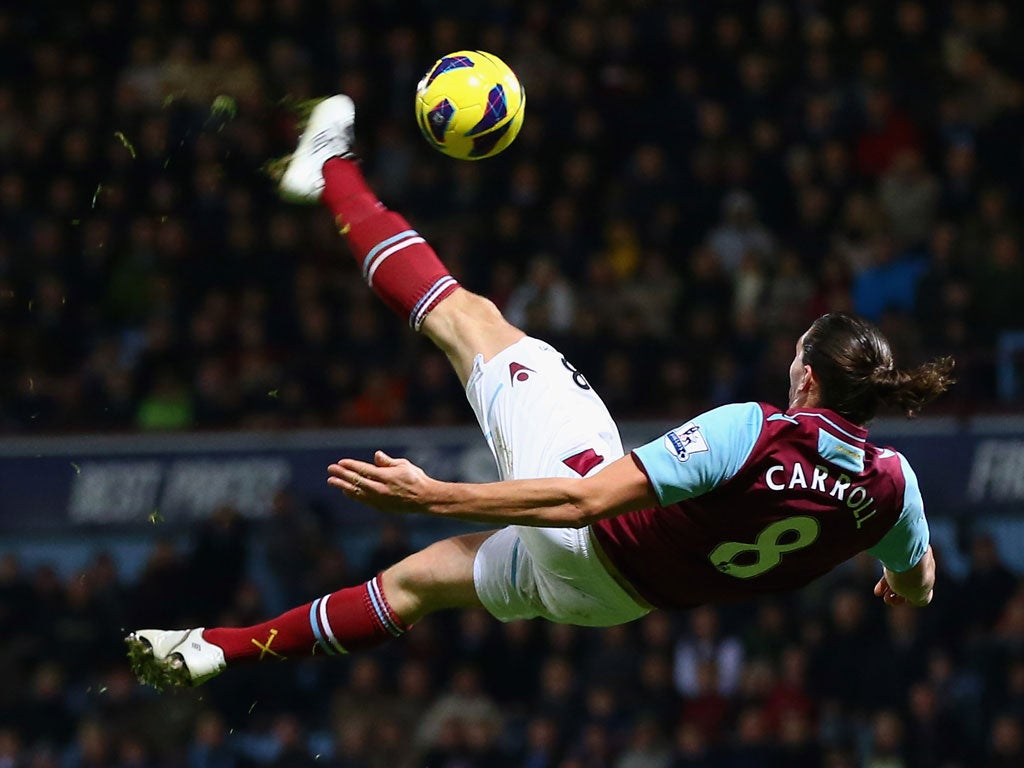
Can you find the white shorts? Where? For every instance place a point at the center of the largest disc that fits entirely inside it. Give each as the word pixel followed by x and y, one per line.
pixel 542 419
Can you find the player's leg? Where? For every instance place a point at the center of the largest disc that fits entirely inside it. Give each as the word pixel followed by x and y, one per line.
pixel 350 619
pixel 466 325
pixel 513 382
pixel 396 261
pixel 541 418
pixel 402 268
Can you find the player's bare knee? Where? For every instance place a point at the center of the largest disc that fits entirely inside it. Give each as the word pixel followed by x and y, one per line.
pixel 460 311
pixel 484 310
pixel 440 576
pixel 466 324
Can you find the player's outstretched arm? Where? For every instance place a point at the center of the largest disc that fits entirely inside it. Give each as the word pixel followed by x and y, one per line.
pixel 914 586
pixel 398 485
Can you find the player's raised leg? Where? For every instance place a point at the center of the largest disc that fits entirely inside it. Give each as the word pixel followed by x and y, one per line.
pixel 493 359
pixel 539 415
pixel 350 619
pixel 395 260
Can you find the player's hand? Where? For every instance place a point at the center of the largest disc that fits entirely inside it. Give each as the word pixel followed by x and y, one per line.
pixel 390 485
pixel 890 597
pixel 884 591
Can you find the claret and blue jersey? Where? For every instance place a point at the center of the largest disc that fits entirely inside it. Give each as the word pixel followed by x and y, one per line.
pixel 757 500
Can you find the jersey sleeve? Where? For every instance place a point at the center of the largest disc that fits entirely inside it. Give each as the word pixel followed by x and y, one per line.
pixel 703 453
pixel 906 542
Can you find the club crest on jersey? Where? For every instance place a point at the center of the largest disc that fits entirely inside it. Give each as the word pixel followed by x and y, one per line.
pixel 685 441
pixel 519 372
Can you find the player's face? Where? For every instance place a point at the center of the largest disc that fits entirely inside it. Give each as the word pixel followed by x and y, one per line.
pixel 796 372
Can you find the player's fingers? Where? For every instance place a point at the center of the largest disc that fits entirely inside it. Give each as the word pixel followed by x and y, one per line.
pixel 356 481
pixel 381 459
pixel 891 598
pixel 378 474
pixel 342 485
pixel 347 483
pixel 881 587
pixel 341 478
pixel 349 465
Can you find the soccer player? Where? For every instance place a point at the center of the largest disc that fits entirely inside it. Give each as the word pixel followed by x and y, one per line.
pixel 743 500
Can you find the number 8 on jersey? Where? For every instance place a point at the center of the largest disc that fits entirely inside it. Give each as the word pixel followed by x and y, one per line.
pixel 767 548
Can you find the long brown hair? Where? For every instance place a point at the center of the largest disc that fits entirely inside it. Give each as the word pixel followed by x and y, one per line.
pixel 853 364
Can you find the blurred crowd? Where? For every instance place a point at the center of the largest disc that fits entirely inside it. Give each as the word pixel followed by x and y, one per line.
pixel 826 678
pixel 694 183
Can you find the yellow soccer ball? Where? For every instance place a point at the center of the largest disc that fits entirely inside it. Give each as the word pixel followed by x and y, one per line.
pixel 470 105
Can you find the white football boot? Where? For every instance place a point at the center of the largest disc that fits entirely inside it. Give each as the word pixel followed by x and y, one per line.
pixel 175 658
pixel 330 132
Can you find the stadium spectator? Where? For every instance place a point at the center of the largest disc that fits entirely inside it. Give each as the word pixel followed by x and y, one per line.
pixel 704 647
pixel 988 586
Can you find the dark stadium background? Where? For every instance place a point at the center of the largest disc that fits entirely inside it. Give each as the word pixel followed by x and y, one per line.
pixel 694 183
